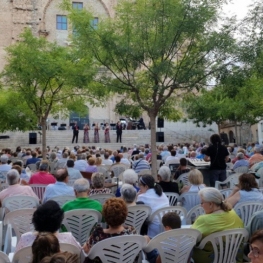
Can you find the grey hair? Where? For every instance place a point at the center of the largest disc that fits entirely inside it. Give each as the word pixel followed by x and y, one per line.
pixel 141 155
pixel 52 156
pixel 128 193
pixel 81 156
pixel 81 185
pixel 213 195
pixel 130 176
pixel 12 177
pixel 97 180
pixel 4 158
pixel 240 155
pixel 165 173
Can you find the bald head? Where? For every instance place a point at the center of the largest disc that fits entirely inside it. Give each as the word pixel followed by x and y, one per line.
pixel 62 175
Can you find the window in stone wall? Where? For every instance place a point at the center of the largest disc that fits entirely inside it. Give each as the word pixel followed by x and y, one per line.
pixel 62 22
pixel 77 5
pixel 95 22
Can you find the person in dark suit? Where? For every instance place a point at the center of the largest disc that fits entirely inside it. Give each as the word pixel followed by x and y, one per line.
pixel 119 131
pixel 75 129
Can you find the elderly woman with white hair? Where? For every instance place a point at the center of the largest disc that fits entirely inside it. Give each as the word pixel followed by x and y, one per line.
pixel 218 216
pixel 164 177
pixel 129 177
pixel 97 181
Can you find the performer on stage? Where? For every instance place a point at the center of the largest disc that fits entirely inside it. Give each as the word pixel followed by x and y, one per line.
pixel 119 131
pixel 75 129
pixel 107 133
pixel 86 133
pixel 96 133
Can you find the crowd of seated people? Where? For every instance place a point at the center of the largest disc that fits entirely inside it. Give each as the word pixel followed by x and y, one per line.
pixel 135 190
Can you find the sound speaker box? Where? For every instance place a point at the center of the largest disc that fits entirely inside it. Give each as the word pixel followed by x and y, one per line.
pixel 32 138
pixel 159 136
pixel 160 122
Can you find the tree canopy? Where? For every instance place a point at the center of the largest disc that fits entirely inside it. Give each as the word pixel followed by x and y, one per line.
pixel 155 51
pixel 47 79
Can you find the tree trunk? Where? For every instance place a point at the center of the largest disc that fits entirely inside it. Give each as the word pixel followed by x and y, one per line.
pixel 44 137
pixel 153 145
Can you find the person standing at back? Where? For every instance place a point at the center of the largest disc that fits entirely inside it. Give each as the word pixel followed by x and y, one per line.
pixel 217 154
pixel 119 131
pixel 75 129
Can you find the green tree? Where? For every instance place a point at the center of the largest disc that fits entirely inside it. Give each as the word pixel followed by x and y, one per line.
pixel 155 51
pixel 48 79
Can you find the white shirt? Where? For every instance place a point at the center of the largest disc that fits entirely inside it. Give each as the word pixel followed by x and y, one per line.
pixel 172 158
pixel 107 162
pixel 81 165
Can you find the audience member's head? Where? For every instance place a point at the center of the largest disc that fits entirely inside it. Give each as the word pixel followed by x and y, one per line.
pixel 97 180
pixel 164 174
pixel 12 177
pixel 117 159
pixel 61 257
pixel 91 161
pixel 62 175
pixel 114 212
pixel 128 193
pixel 240 156
pixel 45 244
pixel 195 177
pixel 81 186
pixel 130 176
pixel 4 158
pixel 171 220
pixel 247 182
pixel 183 162
pixel 44 167
pixel 70 163
pixel 48 217
pixel 18 168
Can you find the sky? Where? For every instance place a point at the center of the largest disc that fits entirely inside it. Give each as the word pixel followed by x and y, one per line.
pixel 238 7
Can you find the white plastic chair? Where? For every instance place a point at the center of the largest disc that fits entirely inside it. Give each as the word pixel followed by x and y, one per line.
pixel 122 249
pixel 4 258
pixel 32 167
pixel 80 222
pixel 189 200
pixel 245 210
pixel 103 170
pixel 24 255
pixel 260 180
pixel 137 215
pixel 173 198
pixel 174 245
pixel 101 197
pixel 61 200
pixel 39 190
pixel 225 244
pixel 226 192
pixel 194 213
pixel 21 222
pixel 230 180
pixel 183 179
pixel 159 213
pixel 15 202
pixel 117 169
pixel 241 169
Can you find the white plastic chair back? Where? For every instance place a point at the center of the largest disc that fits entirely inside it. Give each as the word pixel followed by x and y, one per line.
pixel 159 213
pixel 245 210
pixel 172 162
pixel 230 180
pixel 229 165
pixel 4 258
pixel 137 215
pixel 24 255
pixel 173 198
pixel 226 192
pixel 252 168
pixel 194 213
pixel 241 169
pixel 71 182
pixel 122 249
pixel 174 245
pixel 61 200
pixel 80 222
pixel 189 200
pixel 19 201
pixel 39 189
pixel 118 169
pixel 3 176
pixel 101 197
pixel 32 167
pixel 183 179
pixel 144 171
pixel 21 222
pixel 103 170
pixel 225 244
